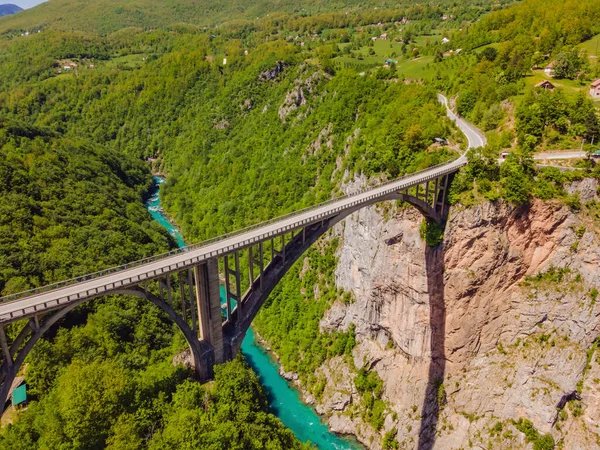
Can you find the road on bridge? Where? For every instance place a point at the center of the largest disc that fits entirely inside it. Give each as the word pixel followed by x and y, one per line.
pixel 31 303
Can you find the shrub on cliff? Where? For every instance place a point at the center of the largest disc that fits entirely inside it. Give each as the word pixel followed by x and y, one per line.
pixel 431 232
pixel 540 441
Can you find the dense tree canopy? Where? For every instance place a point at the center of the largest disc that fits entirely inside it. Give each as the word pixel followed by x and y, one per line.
pixel 67 208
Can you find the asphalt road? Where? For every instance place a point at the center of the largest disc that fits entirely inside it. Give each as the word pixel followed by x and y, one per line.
pixel 571 154
pixel 474 136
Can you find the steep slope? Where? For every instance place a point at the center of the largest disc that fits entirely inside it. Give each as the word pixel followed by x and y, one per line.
pixel 497 324
pixel 105 16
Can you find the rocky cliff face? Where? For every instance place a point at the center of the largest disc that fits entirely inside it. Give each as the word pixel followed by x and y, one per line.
pixel 497 323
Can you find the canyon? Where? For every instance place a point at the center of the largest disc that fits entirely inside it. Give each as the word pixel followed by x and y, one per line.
pixel 496 324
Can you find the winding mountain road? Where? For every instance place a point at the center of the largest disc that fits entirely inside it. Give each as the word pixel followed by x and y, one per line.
pixel 475 136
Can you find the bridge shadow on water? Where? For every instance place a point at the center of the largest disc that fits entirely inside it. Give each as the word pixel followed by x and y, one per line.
pixel 434 395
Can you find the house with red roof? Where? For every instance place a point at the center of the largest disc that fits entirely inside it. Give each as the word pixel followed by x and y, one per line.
pixel 546 85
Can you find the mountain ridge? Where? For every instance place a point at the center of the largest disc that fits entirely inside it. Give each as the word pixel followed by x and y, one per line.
pixel 9 9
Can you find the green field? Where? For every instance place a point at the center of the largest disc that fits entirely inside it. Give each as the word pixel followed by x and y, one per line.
pixel 570 87
pixel 126 62
pixel 592 46
pixel 415 68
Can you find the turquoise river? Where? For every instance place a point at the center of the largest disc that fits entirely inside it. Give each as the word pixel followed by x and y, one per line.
pixel 284 400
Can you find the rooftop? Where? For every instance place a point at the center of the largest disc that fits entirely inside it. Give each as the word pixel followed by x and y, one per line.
pixel 544 83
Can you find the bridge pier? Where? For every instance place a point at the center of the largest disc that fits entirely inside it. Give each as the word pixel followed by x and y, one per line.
pixel 208 303
pixel 196 270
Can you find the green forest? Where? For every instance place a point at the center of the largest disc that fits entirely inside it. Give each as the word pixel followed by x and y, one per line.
pixel 251 110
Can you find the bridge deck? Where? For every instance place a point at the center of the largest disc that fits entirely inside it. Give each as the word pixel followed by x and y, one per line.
pixel 14 307
pixel 97 284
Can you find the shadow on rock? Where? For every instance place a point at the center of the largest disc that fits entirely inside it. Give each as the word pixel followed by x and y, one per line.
pixel 435 396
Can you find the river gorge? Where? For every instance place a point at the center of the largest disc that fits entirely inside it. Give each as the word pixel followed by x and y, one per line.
pixel 284 400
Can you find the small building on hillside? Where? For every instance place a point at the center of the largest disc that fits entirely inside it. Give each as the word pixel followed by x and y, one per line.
pixel 595 89
pixel 546 85
pixel 445 40
pixel 549 70
pixel 383 37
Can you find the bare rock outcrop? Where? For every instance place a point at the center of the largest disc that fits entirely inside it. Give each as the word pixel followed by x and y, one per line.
pixel 271 74
pixel 299 93
pixel 494 325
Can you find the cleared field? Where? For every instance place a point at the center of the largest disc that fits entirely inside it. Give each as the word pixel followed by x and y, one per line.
pixel 373 56
pixel 417 68
pixel 570 87
pixel 132 61
pixel 592 46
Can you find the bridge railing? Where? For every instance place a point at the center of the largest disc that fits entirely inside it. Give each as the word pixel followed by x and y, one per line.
pixel 150 259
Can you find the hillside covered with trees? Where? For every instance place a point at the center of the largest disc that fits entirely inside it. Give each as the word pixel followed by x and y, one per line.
pixel 513 46
pixel 106 16
pixel 249 119
pixel 85 119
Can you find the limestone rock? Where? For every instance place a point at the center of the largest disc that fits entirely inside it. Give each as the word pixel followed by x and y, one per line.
pixel 298 95
pixel 290 376
pixel 466 316
pixel 269 75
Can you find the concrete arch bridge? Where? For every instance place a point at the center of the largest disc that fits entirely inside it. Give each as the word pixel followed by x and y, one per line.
pixel 185 283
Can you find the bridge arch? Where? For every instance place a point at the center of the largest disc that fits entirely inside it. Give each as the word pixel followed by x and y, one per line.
pixel 35 328
pixel 211 340
pixel 235 328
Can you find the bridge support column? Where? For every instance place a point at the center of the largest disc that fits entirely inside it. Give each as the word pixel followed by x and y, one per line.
pixel 208 303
